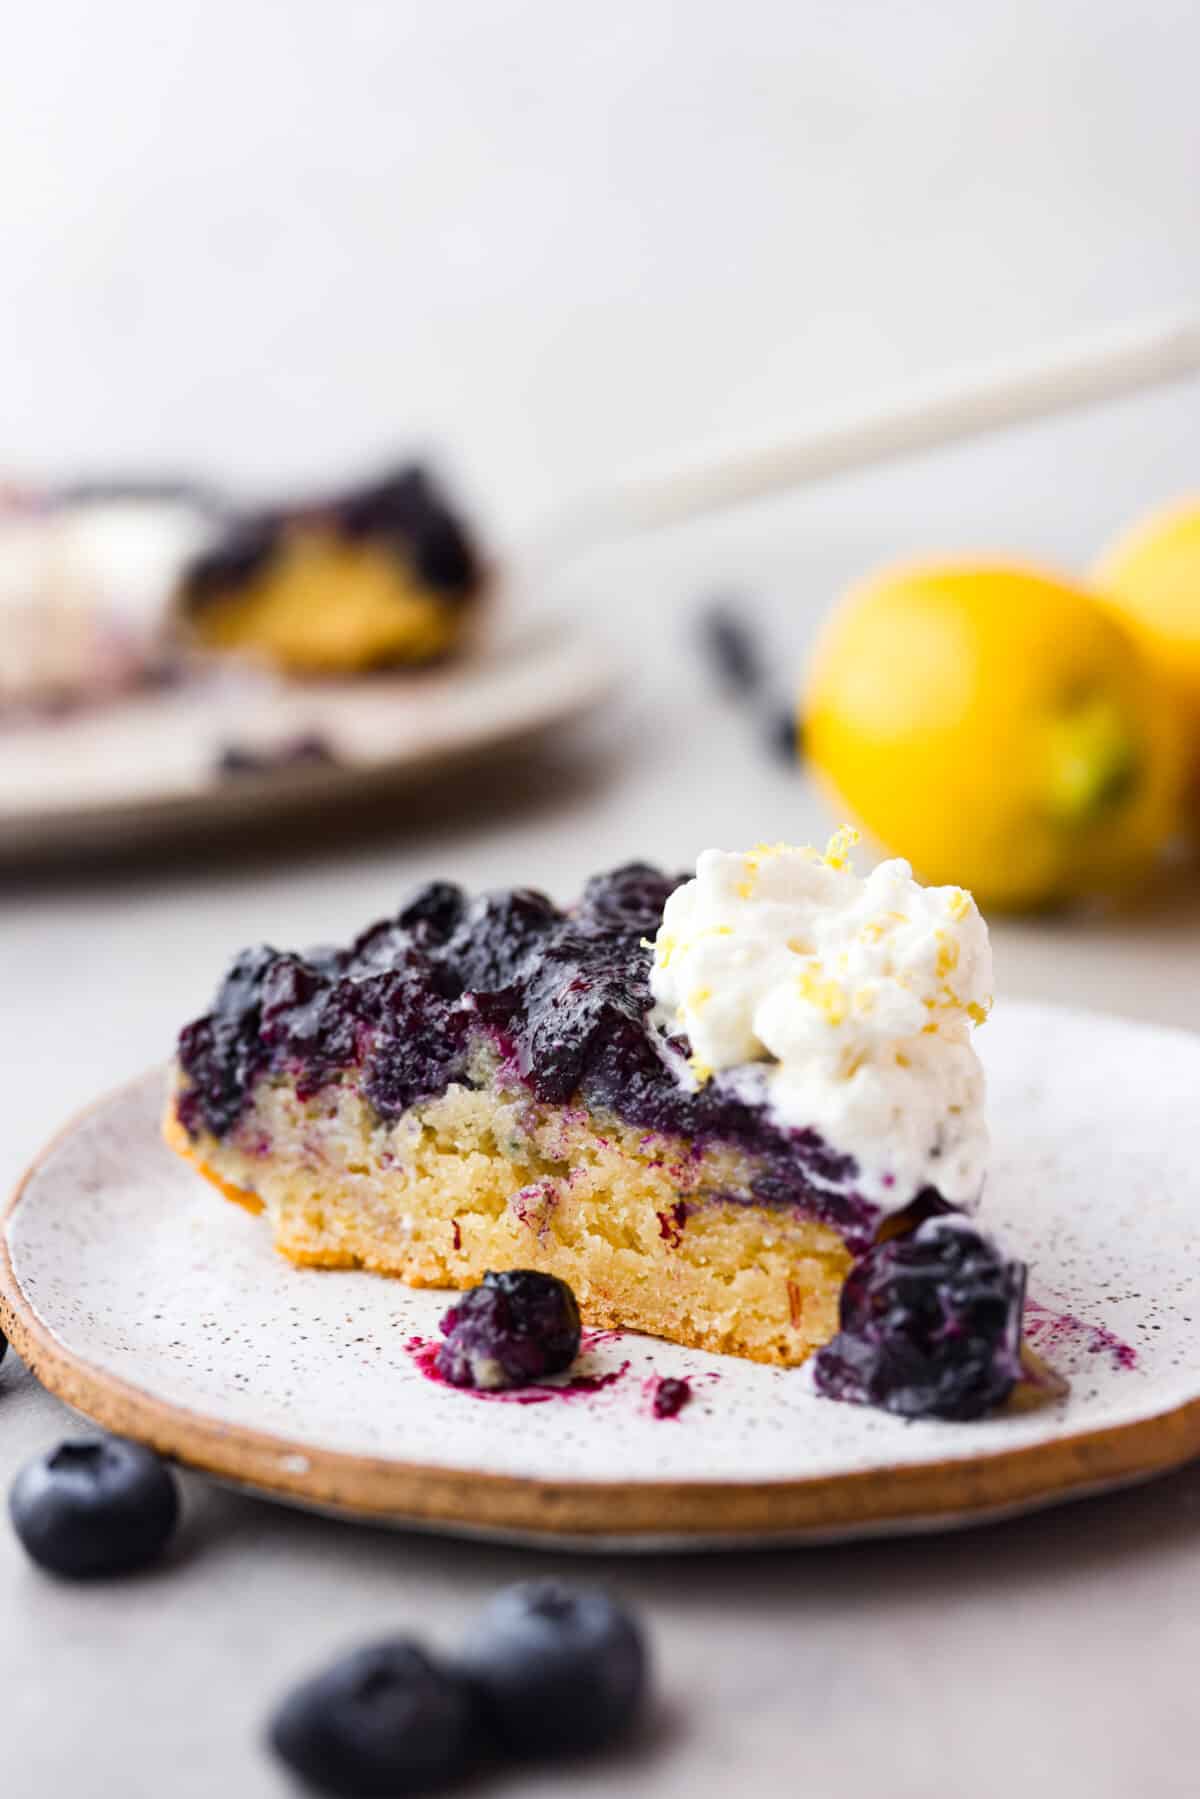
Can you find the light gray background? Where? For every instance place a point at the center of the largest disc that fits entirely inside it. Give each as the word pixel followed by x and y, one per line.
pixel 277 240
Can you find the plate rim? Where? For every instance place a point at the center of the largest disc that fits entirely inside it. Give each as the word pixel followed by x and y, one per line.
pixel 28 835
pixel 892 1498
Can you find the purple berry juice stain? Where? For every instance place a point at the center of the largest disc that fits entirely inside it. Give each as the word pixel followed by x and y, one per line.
pixel 424 1352
pixel 1046 1331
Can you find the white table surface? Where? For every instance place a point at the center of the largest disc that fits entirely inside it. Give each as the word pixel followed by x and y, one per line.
pixel 1054 1656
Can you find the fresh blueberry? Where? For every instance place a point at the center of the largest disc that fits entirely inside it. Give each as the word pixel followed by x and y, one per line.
pixel 558 1669
pixel 380 1722
pixel 930 1325
pixel 98 1507
pixel 3 1346
pixel 512 1329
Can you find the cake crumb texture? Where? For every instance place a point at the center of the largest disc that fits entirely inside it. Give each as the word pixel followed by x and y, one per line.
pixel 651 1233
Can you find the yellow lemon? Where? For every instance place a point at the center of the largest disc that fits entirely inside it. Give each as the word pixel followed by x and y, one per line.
pixel 999 728
pixel 1152 575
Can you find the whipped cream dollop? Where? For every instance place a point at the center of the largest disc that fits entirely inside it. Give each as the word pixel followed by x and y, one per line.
pixel 86 589
pixel 844 1003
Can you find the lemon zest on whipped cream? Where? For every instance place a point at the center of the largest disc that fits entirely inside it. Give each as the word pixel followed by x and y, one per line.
pixel 845 1003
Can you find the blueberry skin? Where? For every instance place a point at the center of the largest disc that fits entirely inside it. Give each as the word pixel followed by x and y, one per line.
pixel 382 1721
pixel 558 1669
pixel 514 1328
pixel 95 1507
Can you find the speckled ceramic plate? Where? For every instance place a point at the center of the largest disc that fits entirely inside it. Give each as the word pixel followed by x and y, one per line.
pixel 162 1312
pixel 145 770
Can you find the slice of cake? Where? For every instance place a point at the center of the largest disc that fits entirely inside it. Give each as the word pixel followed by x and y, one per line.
pixel 377 576
pixel 699 1102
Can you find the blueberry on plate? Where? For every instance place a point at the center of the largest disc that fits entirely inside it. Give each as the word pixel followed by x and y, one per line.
pixel 97 1507
pixel 930 1325
pixel 513 1328
pixel 557 1669
pixel 380 1722
pixel 3 1346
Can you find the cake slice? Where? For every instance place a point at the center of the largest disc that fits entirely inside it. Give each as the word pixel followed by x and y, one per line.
pixel 376 576
pixel 698 1102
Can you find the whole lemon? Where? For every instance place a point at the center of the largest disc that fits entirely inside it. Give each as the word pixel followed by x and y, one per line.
pixel 999 728
pixel 1152 575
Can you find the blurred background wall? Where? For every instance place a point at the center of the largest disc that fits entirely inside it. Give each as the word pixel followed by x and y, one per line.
pixel 277 238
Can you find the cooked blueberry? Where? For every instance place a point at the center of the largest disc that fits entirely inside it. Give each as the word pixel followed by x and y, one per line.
pixel 408 509
pixel 97 1507
pixel 512 1329
pixel 558 1669
pixel 381 1722
pixel 670 1396
pixel 629 898
pixel 434 909
pixel 243 555
pixel 222 1052
pixel 930 1325
pixel 497 936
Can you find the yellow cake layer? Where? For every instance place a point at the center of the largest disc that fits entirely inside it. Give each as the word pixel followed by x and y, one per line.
pixel 640 1226
pixel 325 607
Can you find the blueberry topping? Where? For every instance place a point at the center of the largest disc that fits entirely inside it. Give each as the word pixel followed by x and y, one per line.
pixel 242 555
pixel 381 1722
pixel 498 935
pixel 222 1052
pixel 433 912
pixel 514 1328
pixel 406 508
pixel 628 899
pixel 930 1325
pixel 558 1669
pixel 405 512
pixel 563 997
pixel 92 1508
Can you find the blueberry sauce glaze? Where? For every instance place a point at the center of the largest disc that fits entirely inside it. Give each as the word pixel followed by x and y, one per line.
pixel 563 997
